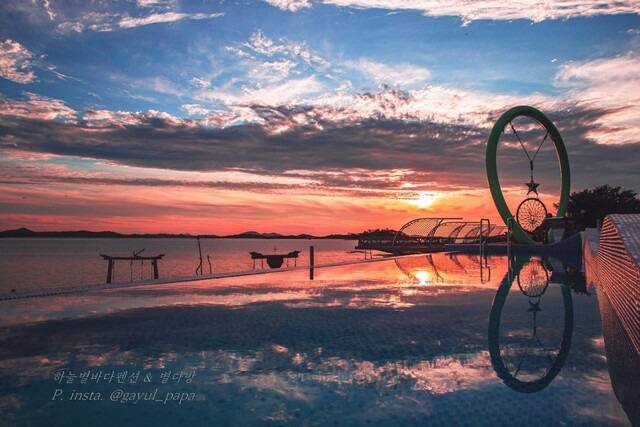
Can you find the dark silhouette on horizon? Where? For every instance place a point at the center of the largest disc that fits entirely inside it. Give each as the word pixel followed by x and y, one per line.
pixel 25 232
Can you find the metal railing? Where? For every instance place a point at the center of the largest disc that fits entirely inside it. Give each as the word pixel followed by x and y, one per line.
pixel 483 242
pixel 510 221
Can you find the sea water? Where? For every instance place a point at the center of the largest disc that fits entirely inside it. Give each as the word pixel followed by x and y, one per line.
pixel 29 264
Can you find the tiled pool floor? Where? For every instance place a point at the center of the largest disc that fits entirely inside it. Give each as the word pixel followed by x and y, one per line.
pixel 394 342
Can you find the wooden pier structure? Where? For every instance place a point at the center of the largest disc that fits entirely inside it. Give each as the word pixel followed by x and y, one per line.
pixel 274 260
pixel 113 259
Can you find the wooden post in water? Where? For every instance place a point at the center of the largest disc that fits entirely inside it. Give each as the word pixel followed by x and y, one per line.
pixel 110 271
pixel 311 261
pixel 199 268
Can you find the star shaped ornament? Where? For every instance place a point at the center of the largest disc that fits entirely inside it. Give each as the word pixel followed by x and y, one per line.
pixel 534 307
pixel 533 186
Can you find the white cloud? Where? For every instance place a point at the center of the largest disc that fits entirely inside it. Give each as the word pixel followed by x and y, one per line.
pixel 237 52
pixel 292 104
pixel 140 97
pixel 263 45
pixel 15 61
pixel 58 74
pixel 157 84
pixel 234 115
pixel 195 109
pixel 619 70
pixel 70 27
pixel 272 71
pixel 291 91
pixel 37 107
pixel 268 72
pixel 47 7
pixel 89 20
pixel 291 5
pixel 152 3
pixel 108 118
pixel 162 18
pixel 113 21
pixel 431 103
pixel 201 82
pixel 611 84
pixel 500 10
pixel 395 75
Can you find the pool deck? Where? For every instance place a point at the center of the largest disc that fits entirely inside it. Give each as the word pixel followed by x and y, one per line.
pixel 611 258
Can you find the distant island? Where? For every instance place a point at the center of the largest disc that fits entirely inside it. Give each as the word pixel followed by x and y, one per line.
pixel 25 232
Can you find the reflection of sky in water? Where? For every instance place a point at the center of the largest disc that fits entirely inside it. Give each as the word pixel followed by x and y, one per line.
pixel 381 343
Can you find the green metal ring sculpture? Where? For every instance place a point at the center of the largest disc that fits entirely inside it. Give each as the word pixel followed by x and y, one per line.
pixel 492 170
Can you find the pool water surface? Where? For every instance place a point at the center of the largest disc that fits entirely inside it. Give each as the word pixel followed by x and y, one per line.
pixel 423 340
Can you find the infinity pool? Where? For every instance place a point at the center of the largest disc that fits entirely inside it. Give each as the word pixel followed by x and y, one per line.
pixel 438 340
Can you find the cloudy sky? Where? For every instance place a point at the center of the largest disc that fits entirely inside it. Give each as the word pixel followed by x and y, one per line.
pixel 295 116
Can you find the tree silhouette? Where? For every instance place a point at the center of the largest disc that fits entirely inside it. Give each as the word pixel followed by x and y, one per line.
pixel 586 207
pixel 379 232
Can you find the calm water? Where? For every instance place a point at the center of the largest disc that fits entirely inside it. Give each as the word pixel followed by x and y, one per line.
pixel 31 264
pixel 426 340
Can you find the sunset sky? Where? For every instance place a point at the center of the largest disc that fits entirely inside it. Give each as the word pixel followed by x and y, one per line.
pixel 302 116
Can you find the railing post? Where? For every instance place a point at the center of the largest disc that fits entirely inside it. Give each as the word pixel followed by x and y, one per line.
pixel 480 239
pixel 311 263
pixel 509 237
pixel 486 242
pixel 483 244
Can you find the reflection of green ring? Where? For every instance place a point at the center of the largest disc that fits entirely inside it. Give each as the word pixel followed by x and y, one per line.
pixel 494 336
pixel 492 170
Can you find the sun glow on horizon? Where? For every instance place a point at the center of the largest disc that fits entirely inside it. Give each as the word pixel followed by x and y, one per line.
pixel 424 278
pixel 425 199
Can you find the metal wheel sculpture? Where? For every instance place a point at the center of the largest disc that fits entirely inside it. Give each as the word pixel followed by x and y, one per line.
pixel 505 123
pixel 533 279
pixel 531 214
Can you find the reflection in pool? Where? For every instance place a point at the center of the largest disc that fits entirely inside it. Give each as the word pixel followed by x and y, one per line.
pixel 393 342
pixel 533 281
